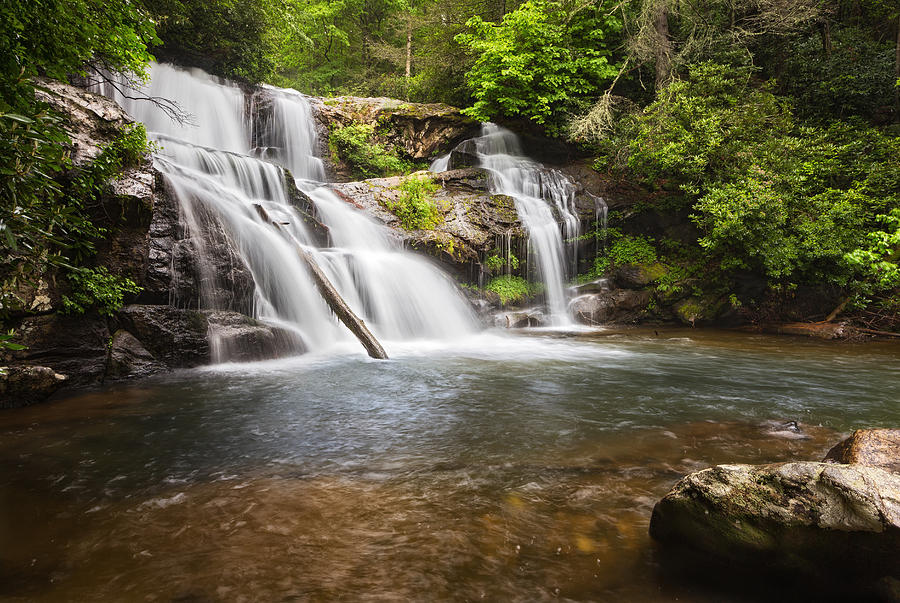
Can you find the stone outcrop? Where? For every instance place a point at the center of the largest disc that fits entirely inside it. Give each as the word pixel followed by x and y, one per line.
pixel 824 524
pixel 473 220
pixel 419 131
pixel 25 385
pixel 869 447
pixel 616 306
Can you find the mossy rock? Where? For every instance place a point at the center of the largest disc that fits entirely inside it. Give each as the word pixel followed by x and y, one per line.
pixel 699 310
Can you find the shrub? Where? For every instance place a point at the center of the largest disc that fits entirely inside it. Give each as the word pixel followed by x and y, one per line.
pixel 510 288
pixel 415 207
pixel 354 146
pixel 97 288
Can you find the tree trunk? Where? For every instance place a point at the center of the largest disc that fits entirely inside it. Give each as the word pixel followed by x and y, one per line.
pixel 664 46
pixel 897 68
pixel 408 53
pixel 337 304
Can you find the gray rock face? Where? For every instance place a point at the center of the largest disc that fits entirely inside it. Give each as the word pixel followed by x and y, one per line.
pixel 473 219
pixel 869 447
pixel 24 385
pixel 238 338
pixel 420 131
pixel 74 345
pixel 174 336
pixel 818 519
pixel 614 306
pixel 128 358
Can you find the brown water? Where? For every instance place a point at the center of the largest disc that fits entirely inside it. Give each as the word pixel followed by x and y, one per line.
pixel 520 468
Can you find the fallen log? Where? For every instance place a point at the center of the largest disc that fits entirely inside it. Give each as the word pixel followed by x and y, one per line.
pixel 334 300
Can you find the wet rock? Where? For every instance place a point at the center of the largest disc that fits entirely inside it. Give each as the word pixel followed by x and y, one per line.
pixel 637 276
pixel 128 358
pixel 187 338
pixel 73 345
pixel 869 447
pixel 610 307
pixel 520 320
pixel 24 385
pixel 238 338
pixel 473 219
pixel 601 285
pixel 174 336
pixel 825 330
pixel 817 520
pixel 420 131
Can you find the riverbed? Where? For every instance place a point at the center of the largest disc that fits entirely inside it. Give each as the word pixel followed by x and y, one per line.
pixel 493 467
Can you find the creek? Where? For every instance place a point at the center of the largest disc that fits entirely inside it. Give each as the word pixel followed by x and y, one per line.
pixel 472 465
pixel 498 466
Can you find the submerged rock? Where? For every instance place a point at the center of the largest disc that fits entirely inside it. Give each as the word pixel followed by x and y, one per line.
pixel 812 520
pixel 24 385
pixel 869 447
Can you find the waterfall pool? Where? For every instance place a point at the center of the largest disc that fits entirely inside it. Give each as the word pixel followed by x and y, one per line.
pixel 496 466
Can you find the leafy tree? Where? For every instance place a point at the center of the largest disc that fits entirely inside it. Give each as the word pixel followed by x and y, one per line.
pixel 42 219
pixel 540 61
pixel 230 38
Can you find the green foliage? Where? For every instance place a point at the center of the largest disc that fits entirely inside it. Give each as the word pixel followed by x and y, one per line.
pixel 770 196
pixel 7 343
pixel 625 249
pixel 97 288
pixel 354 145
pixel 46 220
pixel 877 262
pixel 511 289
pixel 415 206
pixel 540 60
pixel 56 38
pixel 855 78
pixel 230 38
pixel 495 263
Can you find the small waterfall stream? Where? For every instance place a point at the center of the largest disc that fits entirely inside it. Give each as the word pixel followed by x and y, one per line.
pixel 544 199
pixel 209 166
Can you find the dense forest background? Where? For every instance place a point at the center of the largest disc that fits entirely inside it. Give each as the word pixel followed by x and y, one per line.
pixel 768 128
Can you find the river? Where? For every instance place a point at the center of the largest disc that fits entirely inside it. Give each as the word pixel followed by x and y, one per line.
pixel 515 467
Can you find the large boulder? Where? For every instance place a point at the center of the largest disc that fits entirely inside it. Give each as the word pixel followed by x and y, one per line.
pixel 24 385
pixel 473 219
pixel 129 359
pixel 821 521
pixel 72 345
pixel 869 447
pixel 419 131
pixel 616 306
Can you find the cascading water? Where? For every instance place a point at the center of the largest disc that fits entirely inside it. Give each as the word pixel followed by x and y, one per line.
pixel 211 172
pixel 537 193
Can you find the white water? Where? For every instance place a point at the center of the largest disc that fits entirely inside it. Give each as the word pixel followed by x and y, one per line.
pixel 399 295
pixel 537 192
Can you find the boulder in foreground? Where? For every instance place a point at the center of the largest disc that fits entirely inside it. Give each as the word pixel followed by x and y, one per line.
pixel 821 522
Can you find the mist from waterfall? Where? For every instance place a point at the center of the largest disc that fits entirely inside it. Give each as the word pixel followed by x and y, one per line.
pixel 208 165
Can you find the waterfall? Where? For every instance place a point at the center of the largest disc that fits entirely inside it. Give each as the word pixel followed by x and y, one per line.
pixel 543 199
pixel 210 166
